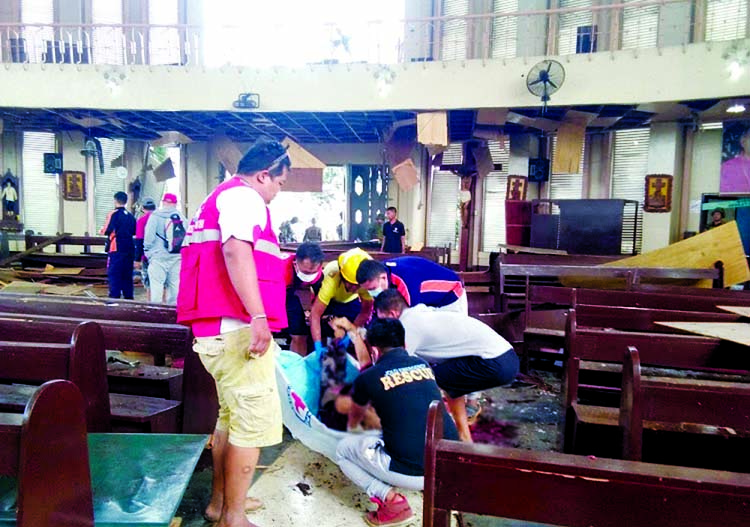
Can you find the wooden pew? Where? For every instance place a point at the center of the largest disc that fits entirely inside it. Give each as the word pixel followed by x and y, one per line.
pixel 158 340
pixel 84 307
pixel 140 379
pixel 602 350
pixel 574 491
pixel 45 449
pixel 68 479
pixel 682 405
pixel 82 361
pixel 199 398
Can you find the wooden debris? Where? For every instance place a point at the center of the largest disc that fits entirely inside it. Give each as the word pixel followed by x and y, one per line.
pixel 738 332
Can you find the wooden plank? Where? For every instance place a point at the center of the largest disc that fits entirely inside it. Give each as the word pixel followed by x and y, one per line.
pixel 738 310
pixel 701 251
pixel 531 250
pixel 732 331
pixel 34 249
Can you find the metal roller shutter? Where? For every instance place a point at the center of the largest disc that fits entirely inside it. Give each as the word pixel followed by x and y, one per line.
pixel 495 186
pixel 41 200
pixel 504 29
pixel 453 32
pixel 726 19
pixel 105 185
pixel 569 23
pixel 108 42
pixel 640 26
pixel 442 228
pixel 629 169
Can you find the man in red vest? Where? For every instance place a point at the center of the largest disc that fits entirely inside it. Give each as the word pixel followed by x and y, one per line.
pixel 232 294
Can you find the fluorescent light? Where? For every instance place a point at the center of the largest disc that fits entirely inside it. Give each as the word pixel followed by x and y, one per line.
pixel 736 108
pixel 712 126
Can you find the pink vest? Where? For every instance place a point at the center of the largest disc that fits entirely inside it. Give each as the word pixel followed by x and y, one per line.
pixel 206 291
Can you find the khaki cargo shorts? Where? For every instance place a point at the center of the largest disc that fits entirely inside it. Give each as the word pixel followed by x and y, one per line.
pixel 249 405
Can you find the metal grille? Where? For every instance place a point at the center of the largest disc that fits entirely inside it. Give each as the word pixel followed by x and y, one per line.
pixel 164 42
pixel 495 186
pixel 37 12
pixel 569 24
pixel 726 19
pixel 504 29
pixel 41 202
pixel 105 185
pixel 629 169
pixel 443 227
pixel 640 26
pixel 453 32
pixel 108 42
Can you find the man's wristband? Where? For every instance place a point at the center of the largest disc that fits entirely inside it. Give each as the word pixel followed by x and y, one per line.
pixel 261 315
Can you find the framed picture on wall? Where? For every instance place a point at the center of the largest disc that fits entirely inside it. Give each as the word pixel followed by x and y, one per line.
pixel 74 185
pixel 516 189
pixel 658 193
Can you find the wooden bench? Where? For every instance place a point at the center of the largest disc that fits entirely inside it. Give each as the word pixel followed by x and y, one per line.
pixel 598 352
pixel 158 340
pixel 682 405
pixel 82 361
pixel 574 491
pixel 137 379
pixel 45 450
pixel 60 477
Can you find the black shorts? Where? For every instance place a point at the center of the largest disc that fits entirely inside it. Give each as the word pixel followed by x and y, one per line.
pixel 295 315
pixel 464 375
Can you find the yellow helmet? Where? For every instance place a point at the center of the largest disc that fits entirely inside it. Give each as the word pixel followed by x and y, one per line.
pixel 349 263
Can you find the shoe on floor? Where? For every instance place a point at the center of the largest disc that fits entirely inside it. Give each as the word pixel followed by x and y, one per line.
pixel 392 514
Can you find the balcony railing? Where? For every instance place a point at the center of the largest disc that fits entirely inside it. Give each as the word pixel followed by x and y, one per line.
pixel 564 31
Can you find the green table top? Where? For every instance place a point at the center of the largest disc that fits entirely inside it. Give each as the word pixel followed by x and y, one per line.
pixel 137 479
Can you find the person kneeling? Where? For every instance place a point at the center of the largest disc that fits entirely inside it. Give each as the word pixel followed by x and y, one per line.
pixel 400 388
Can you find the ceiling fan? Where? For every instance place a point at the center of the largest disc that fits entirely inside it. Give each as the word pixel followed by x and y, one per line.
pixel 544 79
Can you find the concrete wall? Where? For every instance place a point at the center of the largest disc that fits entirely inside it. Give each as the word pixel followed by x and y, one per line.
pixel 599 78
pixel 675 24
pixel 75 213
pixel 531 36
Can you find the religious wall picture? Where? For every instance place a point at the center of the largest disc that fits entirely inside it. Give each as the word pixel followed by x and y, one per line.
pixel 735 157
pixel 516 190
pixel 74 186
pixel 658 196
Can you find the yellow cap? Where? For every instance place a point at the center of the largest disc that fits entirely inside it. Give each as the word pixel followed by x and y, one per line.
pixel 349 263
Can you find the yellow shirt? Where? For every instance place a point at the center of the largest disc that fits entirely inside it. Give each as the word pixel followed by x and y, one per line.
pixel 332 287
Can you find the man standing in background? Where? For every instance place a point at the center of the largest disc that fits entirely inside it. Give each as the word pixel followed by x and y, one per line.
pixel 394 233
pixel 149 206
pixel 119 230
pixel 162 243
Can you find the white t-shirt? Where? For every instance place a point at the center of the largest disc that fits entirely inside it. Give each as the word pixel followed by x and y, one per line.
pixel 437 335
pixel 241 210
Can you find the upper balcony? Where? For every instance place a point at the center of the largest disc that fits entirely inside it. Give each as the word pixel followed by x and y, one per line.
pixel 622 53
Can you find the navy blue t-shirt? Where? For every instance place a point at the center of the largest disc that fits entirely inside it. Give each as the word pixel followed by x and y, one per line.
pixel 400 388
pixel 421 281
pixel 392 232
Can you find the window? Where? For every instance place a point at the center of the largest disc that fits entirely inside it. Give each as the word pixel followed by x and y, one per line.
pixel 567 186
pixel 495 187
pixel 444 220
pixel 164 42
pixel 629 168
pixel 453 34
pixel 108 42
pixel 40 14
pixel 726 19
pixel 576 33
pixel 639 26
pixel 41 201
pixel 504 29
pixel 106 184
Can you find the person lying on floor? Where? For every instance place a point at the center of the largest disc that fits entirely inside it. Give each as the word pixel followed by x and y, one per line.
pixel 465 353
pixel 335 397
pixel 400 388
